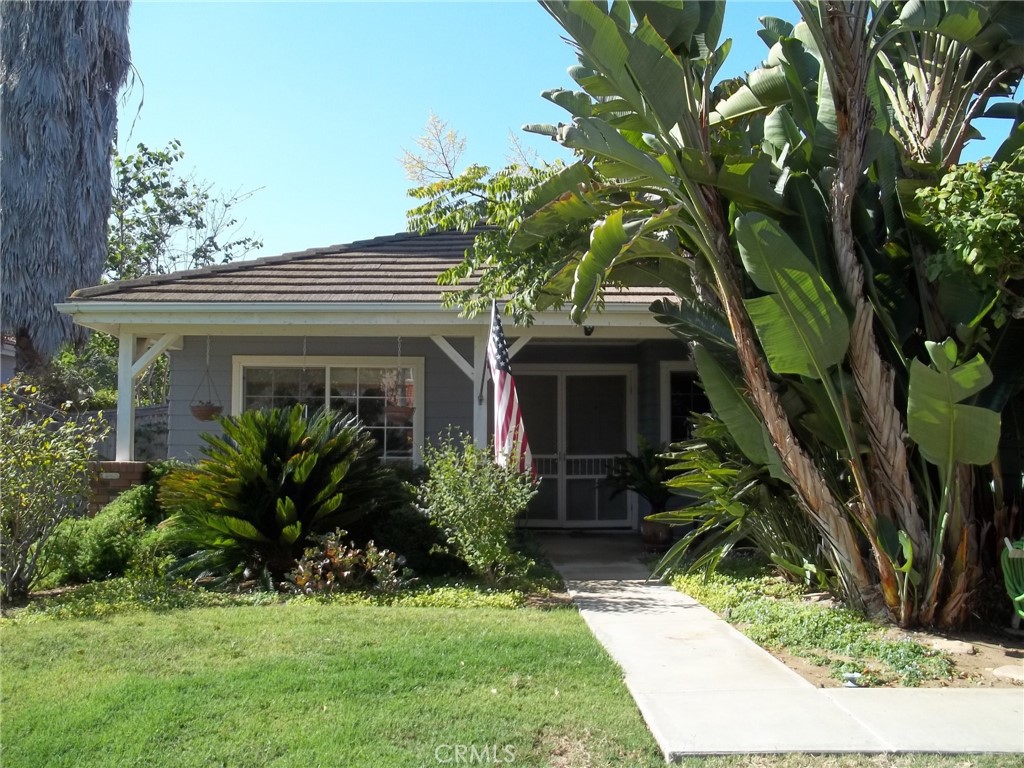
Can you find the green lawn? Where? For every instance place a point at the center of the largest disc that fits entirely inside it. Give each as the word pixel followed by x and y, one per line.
pixel 307 684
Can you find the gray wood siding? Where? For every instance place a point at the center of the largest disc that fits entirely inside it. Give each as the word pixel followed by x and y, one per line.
pixel 447 395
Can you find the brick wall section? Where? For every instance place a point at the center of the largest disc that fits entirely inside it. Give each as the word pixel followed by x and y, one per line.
pixel 111 478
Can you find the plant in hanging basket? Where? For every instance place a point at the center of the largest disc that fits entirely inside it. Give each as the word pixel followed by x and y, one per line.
pixel 205 410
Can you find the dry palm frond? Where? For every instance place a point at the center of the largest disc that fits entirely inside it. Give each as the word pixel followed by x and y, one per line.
pixel 61 67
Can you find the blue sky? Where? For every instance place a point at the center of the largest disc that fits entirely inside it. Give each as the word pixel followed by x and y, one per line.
pixel 314 102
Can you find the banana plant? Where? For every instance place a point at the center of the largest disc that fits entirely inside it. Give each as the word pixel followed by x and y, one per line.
pixel 767 205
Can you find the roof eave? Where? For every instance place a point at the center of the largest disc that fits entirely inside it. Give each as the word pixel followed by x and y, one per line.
pixel 227 318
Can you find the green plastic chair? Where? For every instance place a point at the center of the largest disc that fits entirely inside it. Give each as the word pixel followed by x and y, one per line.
pixel 1013 575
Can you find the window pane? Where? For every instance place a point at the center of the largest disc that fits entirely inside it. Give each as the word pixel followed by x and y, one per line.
pixel 259 382
pixel 382 398
pixel 685 397
pixel 538 399
pixel 344 381
pixel 372 381
pixel 345 405
pixel 398 442
pixel 371 411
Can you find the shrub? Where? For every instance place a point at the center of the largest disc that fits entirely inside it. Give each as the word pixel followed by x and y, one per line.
pixel 44 478
pixel 410 534
pixel 475 503
pixel 331 565
pixel 276 478
pixel 90 549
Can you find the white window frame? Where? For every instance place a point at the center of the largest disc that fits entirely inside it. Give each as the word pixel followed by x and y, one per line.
pixel 665 370
pixel 240 362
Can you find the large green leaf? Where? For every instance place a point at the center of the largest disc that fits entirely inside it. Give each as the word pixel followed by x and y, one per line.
pixel 693 320
pixel 945 430
pixel 567 180
pixel 576 103
pixel 727 397
pixel 774 29
pixel 764 90
pixel 809 228
pixel 747 182
pixel 640 67
pixel 597 138
pixel 607 240
pixel 800 324
pixel 555 217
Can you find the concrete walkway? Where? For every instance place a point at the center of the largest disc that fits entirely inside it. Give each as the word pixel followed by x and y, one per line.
pixel 704 688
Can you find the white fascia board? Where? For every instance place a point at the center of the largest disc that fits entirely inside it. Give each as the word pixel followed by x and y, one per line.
pixel 385 318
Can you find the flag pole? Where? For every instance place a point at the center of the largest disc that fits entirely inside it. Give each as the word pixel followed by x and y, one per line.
pixel 483 376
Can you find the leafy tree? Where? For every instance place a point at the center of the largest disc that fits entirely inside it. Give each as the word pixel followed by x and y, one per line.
pixel 61 67
pixel 44 479
pixel 774 208
pixel 977 212
pixel 473 197
pixel 162 221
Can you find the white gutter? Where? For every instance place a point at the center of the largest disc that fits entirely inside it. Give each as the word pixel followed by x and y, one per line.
pixel 232 317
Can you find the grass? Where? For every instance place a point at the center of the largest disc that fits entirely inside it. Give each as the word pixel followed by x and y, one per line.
pixel 305 683
pixel 773 613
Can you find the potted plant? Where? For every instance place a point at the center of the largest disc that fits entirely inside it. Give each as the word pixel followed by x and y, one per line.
pixel 204 410
pixel 645 474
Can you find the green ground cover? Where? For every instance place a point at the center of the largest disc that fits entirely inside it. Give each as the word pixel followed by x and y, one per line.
pixel 305 683
pixel 774 614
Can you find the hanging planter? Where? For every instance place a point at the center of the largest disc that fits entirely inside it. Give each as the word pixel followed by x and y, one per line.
pixel 205 411
pixel 208 409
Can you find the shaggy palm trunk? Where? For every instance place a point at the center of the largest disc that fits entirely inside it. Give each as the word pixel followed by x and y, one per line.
pixel 61 67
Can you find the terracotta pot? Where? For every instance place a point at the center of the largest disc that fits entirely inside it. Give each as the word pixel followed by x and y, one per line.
pixel 657 537
pixel 206 411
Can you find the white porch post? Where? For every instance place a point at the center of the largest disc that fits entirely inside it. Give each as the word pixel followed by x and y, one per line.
pixel 130 365
pixel 125 398
pixel 479 403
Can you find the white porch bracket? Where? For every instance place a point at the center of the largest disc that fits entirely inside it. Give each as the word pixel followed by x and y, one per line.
pixel 129 368
pixel 517 345
pixel 476 372
pixel 453 355
pixel 156 349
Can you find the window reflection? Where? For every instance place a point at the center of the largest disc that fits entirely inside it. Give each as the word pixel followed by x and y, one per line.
pixel 382 398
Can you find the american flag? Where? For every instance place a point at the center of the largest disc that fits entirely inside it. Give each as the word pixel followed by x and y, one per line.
pixel 509 432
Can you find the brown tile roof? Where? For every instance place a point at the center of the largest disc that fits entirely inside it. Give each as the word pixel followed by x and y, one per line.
pixel 397 268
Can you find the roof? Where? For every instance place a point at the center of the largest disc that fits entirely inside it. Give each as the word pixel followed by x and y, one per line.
pixel 397 268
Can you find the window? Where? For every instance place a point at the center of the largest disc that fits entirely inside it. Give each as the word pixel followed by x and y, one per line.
pixel 681 395
pixel 382 392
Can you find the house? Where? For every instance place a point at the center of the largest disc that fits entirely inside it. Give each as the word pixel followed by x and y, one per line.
pixel 361 327
pixel 7 355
